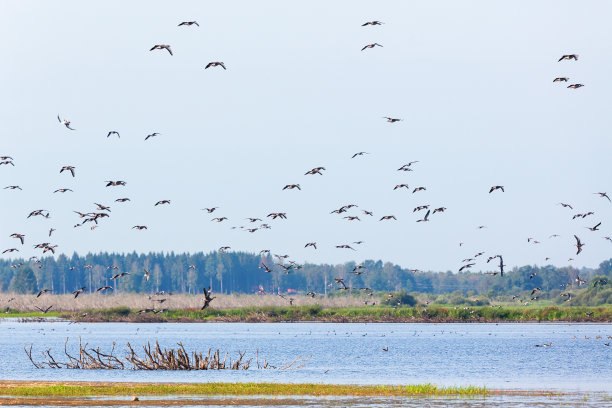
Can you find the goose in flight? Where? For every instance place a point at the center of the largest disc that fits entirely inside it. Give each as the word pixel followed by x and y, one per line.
pixel 44 310
pixel 604 195
pixel 122 200
pixel 400 186
pixel 366 212
pixel 7 162
pixel 352 218
pixel 68 168
pixel 595 228
pixel 277 215
pixel 371 46
pixel 265 268
pixel 110 183
pixel 113 132
pixel 467 266
pixel 147 275
pixel 372 23
pixel 42 292
pixel 104 288
pixel 188 23
pixel 569 57
pixel 561 79
pixel 223 249
pixel 62 190
pixel 77 292
pixel 496 188
pixel 575 86
pixel 102 207
pixel 418 189
pixel 311 244
pixel 162 47
pixel 64 122
pixel 426 218
pixel 6 158
pixel 578 244
pixel 215 64
pixel 359 154
pixel 387 217
pixel 292 186
pixel 19 237
pixel 219 219
pixel 161 202
pixel 140 227
pixel 316 170
pixel 10 250
pixel 420 207
pixel 207 298
pixel 119 275
pixel 152 135
pixel 209 210
pixel 392 120
pixel 344 246
pixel 564 205
pixel 254 219
pixel 13 188
pixel 439 209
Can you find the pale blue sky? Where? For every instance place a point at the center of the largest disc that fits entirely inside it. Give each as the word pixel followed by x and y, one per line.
pixel 472 81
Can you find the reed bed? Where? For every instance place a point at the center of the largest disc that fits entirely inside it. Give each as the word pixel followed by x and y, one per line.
pixel 67 303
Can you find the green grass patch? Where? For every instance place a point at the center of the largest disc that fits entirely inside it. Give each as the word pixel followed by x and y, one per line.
pixel 99 389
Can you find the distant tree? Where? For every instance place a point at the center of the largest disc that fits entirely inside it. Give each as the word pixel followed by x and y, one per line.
pixel 24 282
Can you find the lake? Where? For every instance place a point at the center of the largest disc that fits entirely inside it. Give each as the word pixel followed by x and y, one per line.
pixel 498 356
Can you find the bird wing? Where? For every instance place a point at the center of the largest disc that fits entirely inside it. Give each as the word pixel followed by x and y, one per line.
pixel 169 50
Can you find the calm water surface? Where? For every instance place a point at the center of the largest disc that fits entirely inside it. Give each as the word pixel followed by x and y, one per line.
pixel 501 356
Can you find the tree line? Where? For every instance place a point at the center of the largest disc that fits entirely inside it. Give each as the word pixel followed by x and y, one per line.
pixel 240 272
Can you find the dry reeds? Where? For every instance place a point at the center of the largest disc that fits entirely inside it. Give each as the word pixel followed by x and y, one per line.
pixel 67 303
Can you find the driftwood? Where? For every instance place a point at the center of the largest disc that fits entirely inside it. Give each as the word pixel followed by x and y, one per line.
pixel 153 358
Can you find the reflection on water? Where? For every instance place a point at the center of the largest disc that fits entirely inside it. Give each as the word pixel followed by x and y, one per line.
pixel 499 356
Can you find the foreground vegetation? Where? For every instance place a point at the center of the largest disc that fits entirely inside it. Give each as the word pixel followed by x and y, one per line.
pixel 73 389
pixel 435 314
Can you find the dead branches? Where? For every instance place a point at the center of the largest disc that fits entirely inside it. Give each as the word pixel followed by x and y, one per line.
pixel 153 357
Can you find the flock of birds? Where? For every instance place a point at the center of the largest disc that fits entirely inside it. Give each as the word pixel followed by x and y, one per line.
pixel 350 212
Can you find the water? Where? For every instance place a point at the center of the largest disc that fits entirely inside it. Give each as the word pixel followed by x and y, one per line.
pixel 498 356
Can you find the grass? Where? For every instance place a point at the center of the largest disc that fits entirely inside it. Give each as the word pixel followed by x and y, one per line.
pixel 27 389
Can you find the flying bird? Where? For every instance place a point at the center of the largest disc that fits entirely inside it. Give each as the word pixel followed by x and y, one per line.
pixel 68 168
pixel 62 190
pixel 44 310
pixel 188 23
pixel 104 288
pixel 207 298
pixel 578 244
pixel 161 202
pixel 569 57
pixel 426 218
pixel 64 122
pixel 140 227
pixel 391 120
pixel 359 154
pixel 13 188
pixel 311 244
pixel 575 86
pixel 371 46
pixel 291 187
pixel 561 79
pixel 496 188
pixel 77 292
pixel 215 64
pixel 162 47
pixel 19 237
pixel 604 195
pixel 372 23
pixel 316 170
pixel 152 135
pixel 42 292
pixel 595 228
pixel 113 132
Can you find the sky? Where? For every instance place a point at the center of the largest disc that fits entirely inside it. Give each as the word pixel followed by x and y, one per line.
pixel 471 81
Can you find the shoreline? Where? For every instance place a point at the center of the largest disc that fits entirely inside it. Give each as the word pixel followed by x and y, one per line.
pixel 318 314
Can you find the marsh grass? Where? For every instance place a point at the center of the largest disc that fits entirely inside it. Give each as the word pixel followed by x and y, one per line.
pixel 49 389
